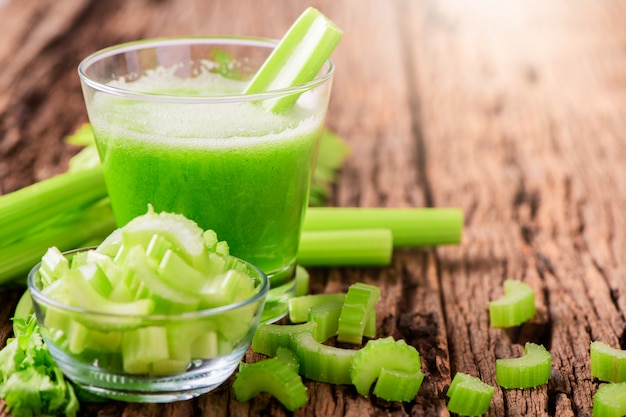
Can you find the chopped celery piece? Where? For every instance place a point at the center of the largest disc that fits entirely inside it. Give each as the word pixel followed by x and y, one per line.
pixel 297 58
pixel 269 337
pixel 326 319
pixel 53 265
pixel 272 376
pixel 409 226
pixel 469 396
pixel 393 385
pixel 289 357
pixel 515 307
pixel 75 291
pixel 142 347
pixel 178 273
pixel 610 400
pixel 302 281
pixel 362 247
pixel 321 362
pixel 528 371
pixel 360 302
pixel 383 353
pixel 607 363
pixel 299 306
pixel 184 234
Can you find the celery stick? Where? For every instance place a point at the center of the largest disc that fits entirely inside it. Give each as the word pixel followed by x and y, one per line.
pixel 297 58
pixel 142 347
pixel 515 307
pixel 607 363
pixel 528 371
pixel 610 400
pixel 469 396
pixel 38 202
pixel 382 353
pixel 363 247
pixel 273 376
pixel 321 362
pixel 72 229
pixel 409 226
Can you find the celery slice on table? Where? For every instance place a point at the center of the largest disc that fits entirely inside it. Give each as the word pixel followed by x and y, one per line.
pixel 299 306
pixel 269 337
pixel 273 376
pixel 326 319
pixel 607 363
pixel 610 400
pixel 358 306
pixel 394 385
pixel 515 307
pixel 321 362
pixel 297 58
pixel 289 357
pixel 363 247
pixel 528 371
pixel 390 354
pixel 409 226
pixel 469 396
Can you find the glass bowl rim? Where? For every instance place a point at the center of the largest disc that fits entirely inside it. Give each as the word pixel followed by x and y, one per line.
pixel 39 298
pixel 193 40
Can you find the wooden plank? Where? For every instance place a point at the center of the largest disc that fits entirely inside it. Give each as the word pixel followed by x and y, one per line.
pixel 519 109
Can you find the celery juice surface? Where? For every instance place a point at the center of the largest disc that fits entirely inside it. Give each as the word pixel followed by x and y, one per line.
pixel 232 167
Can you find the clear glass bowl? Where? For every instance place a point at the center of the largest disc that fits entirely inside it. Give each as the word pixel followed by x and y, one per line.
pixel 209 345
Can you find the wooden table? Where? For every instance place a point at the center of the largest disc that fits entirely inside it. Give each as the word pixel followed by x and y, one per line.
pixel 514 111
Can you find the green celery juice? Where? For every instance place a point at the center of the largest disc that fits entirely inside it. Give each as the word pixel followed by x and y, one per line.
pixel 231 167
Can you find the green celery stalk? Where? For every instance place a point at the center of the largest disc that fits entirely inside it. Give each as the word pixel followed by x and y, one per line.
pixel 297 58
pixel 409 226
pixel 363 247
pixel 70 231
pixel 38 202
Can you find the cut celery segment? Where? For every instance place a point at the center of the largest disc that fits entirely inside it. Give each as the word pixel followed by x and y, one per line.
pixel 321 362
pixel 528 371
pixel 273 376
pixel 299 306
pixel 469 396
pixel 297 58
pixel 394 385
pixel 515 307
pixel 383 353
pixel 607 363
pixel 359 304
pixel 610 400
pixel 269 337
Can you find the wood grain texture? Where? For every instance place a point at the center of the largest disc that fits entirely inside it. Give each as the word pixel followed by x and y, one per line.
pixel 512 110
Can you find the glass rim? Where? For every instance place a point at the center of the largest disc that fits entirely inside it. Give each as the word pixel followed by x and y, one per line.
pixel 40 298
pixel 193 40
